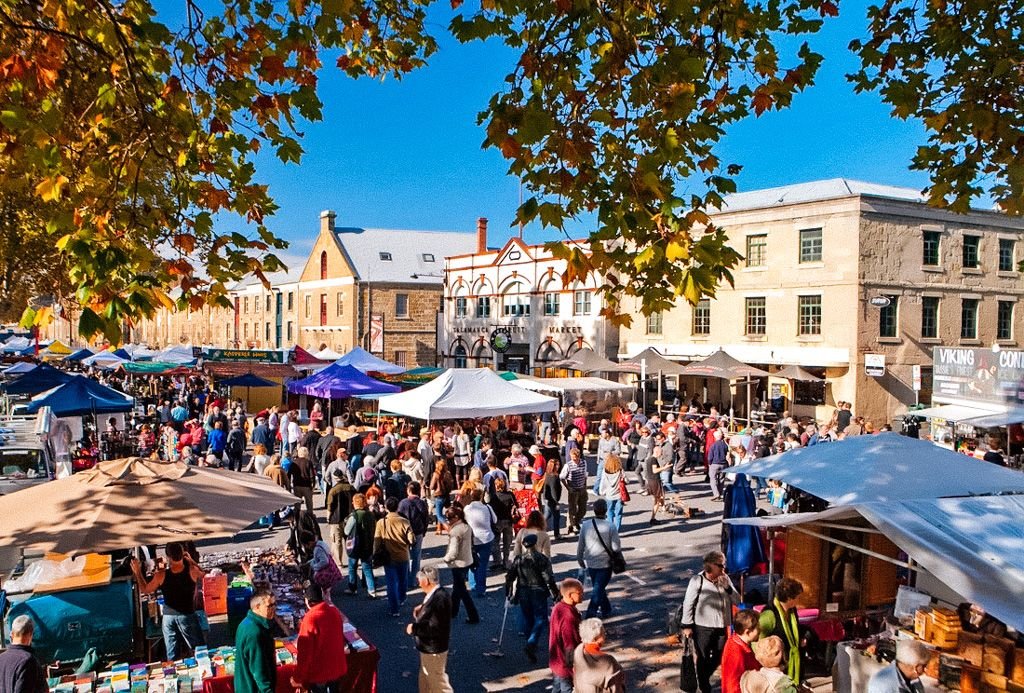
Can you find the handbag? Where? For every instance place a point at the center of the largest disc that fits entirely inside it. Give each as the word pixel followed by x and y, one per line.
pixel 618 561
pixel 623 491
pixel 329 575
pixel 688 667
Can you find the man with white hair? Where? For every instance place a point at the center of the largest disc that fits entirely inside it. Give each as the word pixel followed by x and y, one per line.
pixel 19 670
pixel 595 671
pixel 431 628
pixel 903 675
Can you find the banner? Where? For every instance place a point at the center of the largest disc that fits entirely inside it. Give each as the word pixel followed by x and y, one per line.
pixel 377 334
pixel 978 374
pixel 253 355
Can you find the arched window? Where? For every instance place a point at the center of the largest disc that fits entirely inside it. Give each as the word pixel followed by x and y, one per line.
pixel 460 356
pixel 482 353
pixel 323 265
pixel 515 301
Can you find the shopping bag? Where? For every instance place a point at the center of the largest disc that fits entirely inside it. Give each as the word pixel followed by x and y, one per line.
pixel 688 668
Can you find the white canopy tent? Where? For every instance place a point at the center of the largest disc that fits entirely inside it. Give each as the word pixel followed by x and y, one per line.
pixel 562 385
pixel 883 467
pixel 975 546
pixel 328 354
pixel 981 414
pixel 104 359
pixel 466 393
pixel 181 353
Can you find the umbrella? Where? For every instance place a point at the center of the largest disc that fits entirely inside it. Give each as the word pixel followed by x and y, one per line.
pixel 589 361
pixel 721 365
pixel 742 543
pixel 792 372
pixel 249 380
pixel 130 502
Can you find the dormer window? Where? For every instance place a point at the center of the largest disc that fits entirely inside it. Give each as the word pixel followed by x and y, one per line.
pixel 385 256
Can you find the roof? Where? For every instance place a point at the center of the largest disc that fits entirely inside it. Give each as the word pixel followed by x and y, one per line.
pixel 464 393
pixel 816 191
pixel 290 276
pixel 409 253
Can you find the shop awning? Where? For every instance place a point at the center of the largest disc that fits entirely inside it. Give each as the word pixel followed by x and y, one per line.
pixel 958 412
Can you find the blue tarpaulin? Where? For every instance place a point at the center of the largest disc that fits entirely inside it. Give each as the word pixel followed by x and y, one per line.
pixel 43 377
pixel 80 396
pixel 337 382
pixel 20 368
pixel 79 355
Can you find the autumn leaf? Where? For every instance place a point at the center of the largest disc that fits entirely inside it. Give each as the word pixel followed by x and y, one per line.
pixel 50 189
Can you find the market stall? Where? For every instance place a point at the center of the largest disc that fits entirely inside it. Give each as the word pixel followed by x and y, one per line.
pixel 135 502
pixel 899 519
pixel 596 395
pixel 466 393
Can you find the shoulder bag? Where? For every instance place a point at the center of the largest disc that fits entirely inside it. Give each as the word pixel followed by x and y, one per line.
pixel 618 561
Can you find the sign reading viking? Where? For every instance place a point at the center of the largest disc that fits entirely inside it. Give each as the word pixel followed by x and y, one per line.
pixel 978 374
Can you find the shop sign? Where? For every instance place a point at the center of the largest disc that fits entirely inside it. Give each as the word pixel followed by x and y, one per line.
pixel 874 365
pixel 880 301
pixel 915 378
pixel 501 339
pixel 978 374
pixel 251 355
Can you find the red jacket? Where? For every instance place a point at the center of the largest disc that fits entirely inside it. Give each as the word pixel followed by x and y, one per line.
pixel 737 657
pixel 321 646
pixel 563 639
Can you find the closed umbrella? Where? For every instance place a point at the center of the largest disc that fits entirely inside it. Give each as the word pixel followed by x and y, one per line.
pixel 742 543
pixel 131 502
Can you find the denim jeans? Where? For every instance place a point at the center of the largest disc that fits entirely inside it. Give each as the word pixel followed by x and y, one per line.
pixel 395 574
pixel 666 478
pixel 181 634
pixel 439 511
pixel 597 480
pixel 534 605
pixel 478 578
pixel 600 577
pixel 553 517
pixel 460 594
pixel 615 508
pixel 415 551
pixel 353 581
pixel 561 684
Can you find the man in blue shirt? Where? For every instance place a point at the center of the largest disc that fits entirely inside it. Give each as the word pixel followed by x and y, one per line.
pixel 718 459
pixel 217 439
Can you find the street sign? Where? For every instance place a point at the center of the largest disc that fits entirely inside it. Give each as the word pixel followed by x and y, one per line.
pixel 880 301
pixel 874 365
pixel 915 377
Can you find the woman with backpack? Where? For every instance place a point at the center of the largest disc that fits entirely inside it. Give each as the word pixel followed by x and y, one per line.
pixel 359 530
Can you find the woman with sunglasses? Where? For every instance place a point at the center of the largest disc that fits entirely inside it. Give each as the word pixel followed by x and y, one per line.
pixel 706 615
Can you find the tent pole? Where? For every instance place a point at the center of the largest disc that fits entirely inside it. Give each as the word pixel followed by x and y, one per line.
pixel 661 405
pixel 771 564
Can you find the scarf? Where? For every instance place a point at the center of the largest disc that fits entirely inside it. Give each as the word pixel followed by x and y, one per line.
pixel 788 622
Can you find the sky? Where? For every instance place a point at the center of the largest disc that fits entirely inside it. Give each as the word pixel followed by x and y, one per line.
pixel 407 155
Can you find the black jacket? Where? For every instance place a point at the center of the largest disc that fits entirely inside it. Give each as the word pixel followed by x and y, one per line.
pixel 433 626
pixel 21 673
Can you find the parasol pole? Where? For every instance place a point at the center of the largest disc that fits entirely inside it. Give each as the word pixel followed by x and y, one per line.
pixel 771 564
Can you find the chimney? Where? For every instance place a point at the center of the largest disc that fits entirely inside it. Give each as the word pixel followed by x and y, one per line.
pixel 327 220
pixel 481 235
